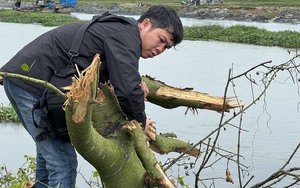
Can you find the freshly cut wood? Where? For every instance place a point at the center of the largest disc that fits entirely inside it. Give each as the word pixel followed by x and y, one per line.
pixel 171 97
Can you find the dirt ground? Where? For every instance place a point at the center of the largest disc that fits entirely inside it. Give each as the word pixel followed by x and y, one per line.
pixel 262 10
pixel 258 14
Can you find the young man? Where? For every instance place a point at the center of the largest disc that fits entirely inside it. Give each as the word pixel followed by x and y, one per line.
pixel 120 41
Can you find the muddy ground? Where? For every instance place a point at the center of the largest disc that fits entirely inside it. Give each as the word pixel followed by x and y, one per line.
pixel 258 14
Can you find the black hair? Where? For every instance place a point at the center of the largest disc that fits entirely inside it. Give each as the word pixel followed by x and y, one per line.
pixel 165 17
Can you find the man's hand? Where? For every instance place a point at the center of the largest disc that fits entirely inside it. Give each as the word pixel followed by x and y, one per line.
pixel 145 89
pixel 150 130
pixel 1 81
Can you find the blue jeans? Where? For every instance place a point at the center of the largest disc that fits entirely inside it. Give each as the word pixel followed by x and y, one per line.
pixel 56 161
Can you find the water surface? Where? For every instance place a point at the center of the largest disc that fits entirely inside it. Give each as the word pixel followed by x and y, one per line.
pixel 271 26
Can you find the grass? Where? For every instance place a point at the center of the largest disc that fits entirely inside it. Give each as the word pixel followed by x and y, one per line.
pixel 244 34
pixel 258 3
pixel 46 19
pixel 237 34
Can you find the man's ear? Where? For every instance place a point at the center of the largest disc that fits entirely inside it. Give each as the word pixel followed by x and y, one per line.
pixel 145 23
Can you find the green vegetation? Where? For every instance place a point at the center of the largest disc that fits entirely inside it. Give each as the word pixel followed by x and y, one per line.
pixel 244 34
pixel 259 3
pixel 46 19
pixel 237 34
pixel 25 174
pixel 8 114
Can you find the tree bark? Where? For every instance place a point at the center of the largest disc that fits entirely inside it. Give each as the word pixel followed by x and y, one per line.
pixel 171 97
pixel 100 132
pixel 116 147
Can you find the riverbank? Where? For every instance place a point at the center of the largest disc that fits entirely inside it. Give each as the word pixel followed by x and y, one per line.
pixel 238 34
pixel 258 14
pixel 217 12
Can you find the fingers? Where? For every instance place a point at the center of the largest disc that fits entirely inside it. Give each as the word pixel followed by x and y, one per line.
pixel 144 87
pixel 150 130
pixel 152 136
pixel 150 122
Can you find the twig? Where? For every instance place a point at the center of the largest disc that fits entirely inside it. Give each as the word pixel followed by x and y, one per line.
pixel 279 172
pixel 34 80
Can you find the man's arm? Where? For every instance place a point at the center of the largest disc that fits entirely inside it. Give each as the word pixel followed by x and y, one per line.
pixel 122 53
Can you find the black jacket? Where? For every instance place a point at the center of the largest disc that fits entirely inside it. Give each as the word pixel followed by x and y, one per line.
pixel 116 39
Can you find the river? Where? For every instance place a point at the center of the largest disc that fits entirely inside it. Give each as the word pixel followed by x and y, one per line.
pixel 271 125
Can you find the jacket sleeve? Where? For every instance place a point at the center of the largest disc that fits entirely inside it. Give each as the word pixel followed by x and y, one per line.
pixel 122 53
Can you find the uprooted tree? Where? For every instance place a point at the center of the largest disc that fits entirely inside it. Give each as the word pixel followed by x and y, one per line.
pixel 119 150
pixel 116 147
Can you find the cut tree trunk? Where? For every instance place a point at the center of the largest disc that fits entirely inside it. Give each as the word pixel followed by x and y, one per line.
pixel 116 147
pixel 171 97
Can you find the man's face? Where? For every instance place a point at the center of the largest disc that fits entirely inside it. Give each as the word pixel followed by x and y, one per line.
pixel 154 41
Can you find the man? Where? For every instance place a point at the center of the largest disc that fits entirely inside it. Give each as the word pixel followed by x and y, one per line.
pixel 120 42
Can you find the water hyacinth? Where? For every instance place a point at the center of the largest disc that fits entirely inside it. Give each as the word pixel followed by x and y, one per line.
pixel 46 19
pixel 8 114
pixel 244 34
